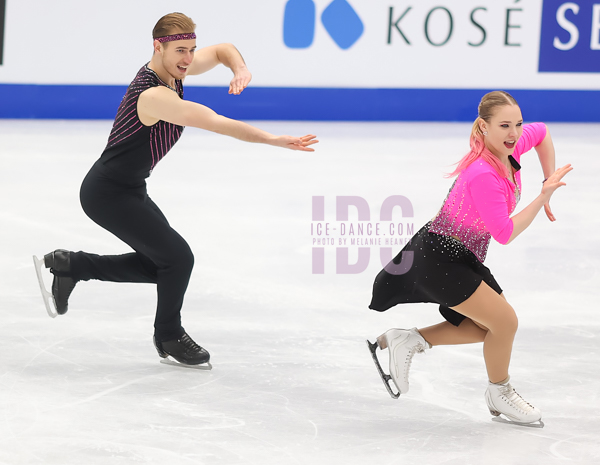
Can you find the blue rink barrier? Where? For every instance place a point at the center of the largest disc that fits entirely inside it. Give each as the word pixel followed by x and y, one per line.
pixel 309 104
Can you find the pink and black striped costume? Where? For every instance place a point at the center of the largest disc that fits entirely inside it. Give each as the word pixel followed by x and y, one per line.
pixel 133 150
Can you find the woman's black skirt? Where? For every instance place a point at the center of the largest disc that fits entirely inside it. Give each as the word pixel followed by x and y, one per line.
pixel 442 270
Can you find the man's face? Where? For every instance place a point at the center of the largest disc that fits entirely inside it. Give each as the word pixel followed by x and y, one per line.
pixel 177 56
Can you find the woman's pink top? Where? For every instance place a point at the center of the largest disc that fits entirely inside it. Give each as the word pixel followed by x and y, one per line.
pixel 481 201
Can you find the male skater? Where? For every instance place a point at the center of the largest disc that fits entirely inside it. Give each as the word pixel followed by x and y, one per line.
pixel 149 121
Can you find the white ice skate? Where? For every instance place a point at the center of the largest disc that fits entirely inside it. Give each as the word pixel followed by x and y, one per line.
pixel 502 399
pixel 403 344
pixel 46 295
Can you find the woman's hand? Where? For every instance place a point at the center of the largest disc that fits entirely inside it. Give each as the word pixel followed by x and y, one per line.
pixel 548 211
pixel 553 182
pixel 523 219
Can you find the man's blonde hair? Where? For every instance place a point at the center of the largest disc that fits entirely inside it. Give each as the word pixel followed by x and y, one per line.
pixel 173 23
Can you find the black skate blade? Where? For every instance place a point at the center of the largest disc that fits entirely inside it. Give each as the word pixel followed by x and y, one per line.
pixel 47 296
pixel 173 362
pixel 384 377
pixel 535 424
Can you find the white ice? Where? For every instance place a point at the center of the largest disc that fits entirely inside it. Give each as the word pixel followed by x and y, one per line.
pixel 293 382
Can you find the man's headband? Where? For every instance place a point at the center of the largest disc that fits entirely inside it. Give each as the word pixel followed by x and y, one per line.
pixel 191 35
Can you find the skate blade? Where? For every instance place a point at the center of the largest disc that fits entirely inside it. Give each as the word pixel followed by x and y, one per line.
pixel 535 424
pixel 384 376
pixel 173 362
pixel 47 296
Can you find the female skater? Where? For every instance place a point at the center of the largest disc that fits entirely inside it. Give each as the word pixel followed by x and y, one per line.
pixel 149 121
pixel 448 253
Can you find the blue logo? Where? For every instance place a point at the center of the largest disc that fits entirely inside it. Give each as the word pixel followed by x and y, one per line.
pixel 339 19
pixel 570 38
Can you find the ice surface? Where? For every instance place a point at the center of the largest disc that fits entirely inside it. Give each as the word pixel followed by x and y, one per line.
pixel 293 382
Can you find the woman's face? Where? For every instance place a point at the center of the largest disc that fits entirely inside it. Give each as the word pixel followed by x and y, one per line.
pixel 503 130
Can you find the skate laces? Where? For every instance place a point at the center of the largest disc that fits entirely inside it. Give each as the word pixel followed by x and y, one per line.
pixel 418 348
pixel 515 399
pixel 189 343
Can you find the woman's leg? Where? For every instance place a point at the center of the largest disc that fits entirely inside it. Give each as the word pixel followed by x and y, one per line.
pixel 443 334
pixel 466 332
pixel 487 309
pixel 491 320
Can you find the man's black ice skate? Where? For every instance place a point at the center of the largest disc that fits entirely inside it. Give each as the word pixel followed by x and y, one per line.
pixel 183 352
pixel 59 262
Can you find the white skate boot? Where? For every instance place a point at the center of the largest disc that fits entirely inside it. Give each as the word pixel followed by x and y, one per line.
pixel 403 344
pixel 502 399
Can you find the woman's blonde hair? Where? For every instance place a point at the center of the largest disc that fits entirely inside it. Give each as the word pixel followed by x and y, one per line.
pixel 488 106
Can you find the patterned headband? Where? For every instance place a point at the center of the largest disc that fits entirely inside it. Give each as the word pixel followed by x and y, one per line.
pixel 191 35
